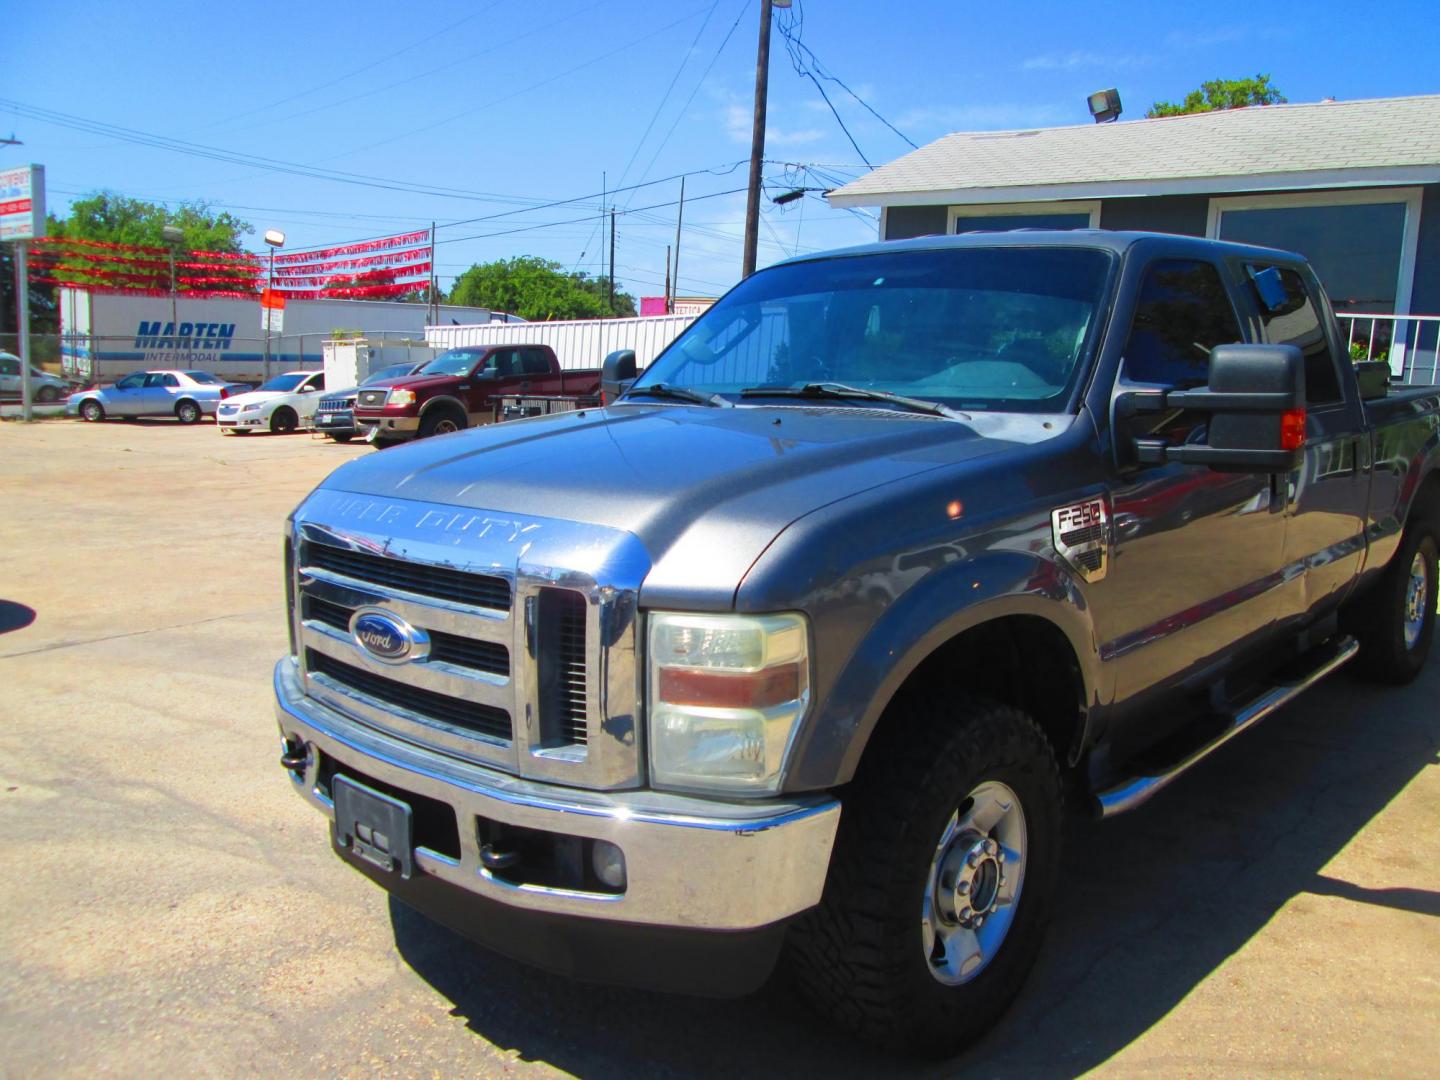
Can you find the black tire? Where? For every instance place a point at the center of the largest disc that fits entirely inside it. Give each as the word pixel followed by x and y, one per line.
pixel 283 421
pixel 860 955
pixel 46 394
pixel 441 422
pixel 92 411
pixel 342 438
pixel 188 412
pixel 1389 653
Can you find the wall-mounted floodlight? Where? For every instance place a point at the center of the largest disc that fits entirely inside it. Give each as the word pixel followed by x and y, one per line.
pixel 274 237
pixel 1104 105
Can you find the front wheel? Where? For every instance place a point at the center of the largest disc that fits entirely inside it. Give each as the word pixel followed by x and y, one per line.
pixel 342 438
pixel 1395 621
pixel 942 879
pixel 92 411
pixel 284 421
pixel 441 422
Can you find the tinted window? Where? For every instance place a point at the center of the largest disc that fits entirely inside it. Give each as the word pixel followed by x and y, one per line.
pixel 394 371
pixel 1003 328
pixel 501 363
pixel 202 377
pixel 170 380
pixel 1182 313
pixel 8 366
pixel 131 382
pixel 453 362
pixel 1289 317
pixel 156 379
pixel 536 362
pixel 283 383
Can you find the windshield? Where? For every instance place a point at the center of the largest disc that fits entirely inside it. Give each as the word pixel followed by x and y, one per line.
pixel 454 362
pixel 1001 328
pixel 394 371
pixel 284 383
pixel 202 377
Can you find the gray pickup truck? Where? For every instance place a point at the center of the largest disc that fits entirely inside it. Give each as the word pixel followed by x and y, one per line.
pixel 800 648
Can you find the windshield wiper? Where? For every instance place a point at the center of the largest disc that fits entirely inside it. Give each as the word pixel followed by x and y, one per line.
pixel 677 393
pixel 834 390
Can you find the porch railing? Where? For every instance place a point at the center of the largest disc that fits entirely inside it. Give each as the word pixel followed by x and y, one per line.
pixel 1409 343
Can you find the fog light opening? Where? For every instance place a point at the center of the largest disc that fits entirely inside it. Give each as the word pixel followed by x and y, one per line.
pixel 608 862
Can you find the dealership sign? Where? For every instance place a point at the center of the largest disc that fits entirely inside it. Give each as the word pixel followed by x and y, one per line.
pixel 22 203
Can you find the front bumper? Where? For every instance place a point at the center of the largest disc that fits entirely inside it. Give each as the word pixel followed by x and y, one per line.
pixel 692 863
pixel 257 420
pixel 333 423
pixel 388 427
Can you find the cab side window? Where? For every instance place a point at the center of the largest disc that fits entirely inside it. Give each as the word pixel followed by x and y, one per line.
pixel 1289 317
pixel 1183 312
pixel 535 362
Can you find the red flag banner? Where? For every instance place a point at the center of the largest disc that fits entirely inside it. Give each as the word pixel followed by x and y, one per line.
pixel 412 239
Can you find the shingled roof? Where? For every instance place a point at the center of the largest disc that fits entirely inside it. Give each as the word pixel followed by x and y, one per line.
pixel 1270 147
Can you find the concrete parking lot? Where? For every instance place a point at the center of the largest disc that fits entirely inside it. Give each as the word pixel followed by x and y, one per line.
pixel 169 905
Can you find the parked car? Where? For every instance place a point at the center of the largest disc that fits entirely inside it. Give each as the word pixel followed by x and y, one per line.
pixel 460 389
pixel 335 416
pixel 43 388
pixel 185 395
pixel 278 406
pixel 805 645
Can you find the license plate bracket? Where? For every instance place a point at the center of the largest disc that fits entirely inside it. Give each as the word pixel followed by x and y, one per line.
pixel 373 826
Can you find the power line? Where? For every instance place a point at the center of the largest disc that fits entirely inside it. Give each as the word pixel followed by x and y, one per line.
pixel 808 66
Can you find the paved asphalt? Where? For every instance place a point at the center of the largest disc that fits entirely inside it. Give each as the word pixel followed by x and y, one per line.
pixel 170 906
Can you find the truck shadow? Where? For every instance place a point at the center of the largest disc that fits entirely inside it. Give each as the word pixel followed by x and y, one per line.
pixel 1151 905
pixel 15 616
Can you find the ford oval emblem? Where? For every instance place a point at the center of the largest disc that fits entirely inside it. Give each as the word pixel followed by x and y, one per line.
pixel 386 638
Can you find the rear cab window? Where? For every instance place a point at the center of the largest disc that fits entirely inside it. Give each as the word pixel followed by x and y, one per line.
pixel 1289 315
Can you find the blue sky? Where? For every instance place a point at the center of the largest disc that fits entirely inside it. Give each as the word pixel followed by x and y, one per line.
pixel 507 105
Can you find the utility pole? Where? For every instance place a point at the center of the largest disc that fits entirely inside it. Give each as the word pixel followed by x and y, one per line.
pixel 757 142
pixel 679 217
pixel 612 262
pixel 667 279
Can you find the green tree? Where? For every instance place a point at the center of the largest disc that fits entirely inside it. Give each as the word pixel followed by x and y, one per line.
pixel 116 219
pixel 537 289
pixel 1219 94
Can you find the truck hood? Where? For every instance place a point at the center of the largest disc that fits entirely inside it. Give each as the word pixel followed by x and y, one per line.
pixel 417 382
pixel 705 490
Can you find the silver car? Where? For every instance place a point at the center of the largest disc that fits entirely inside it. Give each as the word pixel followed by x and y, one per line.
pixel 43 388
pixel 185 395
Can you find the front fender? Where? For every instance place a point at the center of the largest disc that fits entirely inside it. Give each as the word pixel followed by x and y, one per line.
pixel 989 587
pixel 442 401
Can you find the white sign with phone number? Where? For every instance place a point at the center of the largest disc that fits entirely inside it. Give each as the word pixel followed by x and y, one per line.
pixel 22 203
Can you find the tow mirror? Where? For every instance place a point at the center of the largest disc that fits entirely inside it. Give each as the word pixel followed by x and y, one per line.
pixel 616 374
pixel 1255 398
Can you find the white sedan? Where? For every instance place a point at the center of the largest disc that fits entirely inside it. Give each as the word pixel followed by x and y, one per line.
pixel 278 406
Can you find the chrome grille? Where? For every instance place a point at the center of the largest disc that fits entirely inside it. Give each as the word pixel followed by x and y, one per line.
pixel 441 582
pixel 336 404
pixel 456 712
pixel 530 666
pixel 487 656
pixel 372 399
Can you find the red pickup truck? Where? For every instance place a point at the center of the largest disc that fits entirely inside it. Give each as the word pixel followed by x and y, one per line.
pixel 460 389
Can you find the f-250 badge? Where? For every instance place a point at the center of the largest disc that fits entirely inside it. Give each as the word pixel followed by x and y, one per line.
pixel 1082 536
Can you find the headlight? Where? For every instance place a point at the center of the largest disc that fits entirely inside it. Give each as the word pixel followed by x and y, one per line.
pixel 726 694
pixel 251 407
pixel 400 397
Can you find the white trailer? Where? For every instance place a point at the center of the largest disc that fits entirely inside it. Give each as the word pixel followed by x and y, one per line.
pixel 104 335
pixel 579 344
pixel 351 361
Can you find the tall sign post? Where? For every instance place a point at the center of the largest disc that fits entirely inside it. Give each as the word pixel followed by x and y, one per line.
pixel 22 219
pixel 270 302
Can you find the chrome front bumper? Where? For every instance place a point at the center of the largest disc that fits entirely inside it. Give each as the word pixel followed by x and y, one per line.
pixel 691 863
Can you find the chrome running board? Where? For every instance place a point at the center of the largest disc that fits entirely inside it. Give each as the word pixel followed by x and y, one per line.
pixel 1133 792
